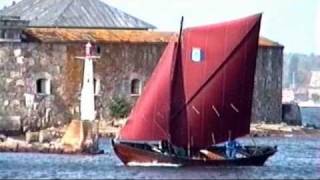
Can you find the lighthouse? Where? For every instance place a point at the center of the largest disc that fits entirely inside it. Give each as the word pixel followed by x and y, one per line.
pixel 82 134
pixel 87 105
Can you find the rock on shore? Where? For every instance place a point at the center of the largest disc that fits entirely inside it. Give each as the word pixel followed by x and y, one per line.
pixel 51 140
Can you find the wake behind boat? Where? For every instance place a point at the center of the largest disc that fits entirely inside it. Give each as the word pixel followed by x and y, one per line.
pixel 199 95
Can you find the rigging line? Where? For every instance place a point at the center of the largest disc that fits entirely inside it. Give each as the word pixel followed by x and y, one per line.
pixel 215 72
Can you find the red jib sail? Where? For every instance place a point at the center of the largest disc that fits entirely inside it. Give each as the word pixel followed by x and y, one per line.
pixel 149 119
pixel 203 93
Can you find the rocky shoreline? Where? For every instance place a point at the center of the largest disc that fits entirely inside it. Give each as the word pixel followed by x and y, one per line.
pixel 45 141
pixel 50 140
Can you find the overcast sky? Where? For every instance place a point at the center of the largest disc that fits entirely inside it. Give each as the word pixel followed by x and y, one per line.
pixel 293 23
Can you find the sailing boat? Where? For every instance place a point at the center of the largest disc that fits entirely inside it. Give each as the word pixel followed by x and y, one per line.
pixel 199 95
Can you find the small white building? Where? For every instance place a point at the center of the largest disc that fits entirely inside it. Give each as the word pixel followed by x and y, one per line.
pixel 287 95
pixel 314 87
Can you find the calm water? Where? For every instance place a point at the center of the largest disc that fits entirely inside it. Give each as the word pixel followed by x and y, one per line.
pixel 298 157
pixel 311 116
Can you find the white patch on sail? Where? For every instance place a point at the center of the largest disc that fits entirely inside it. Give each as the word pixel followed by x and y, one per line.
pixel 196 54
pixel 154 163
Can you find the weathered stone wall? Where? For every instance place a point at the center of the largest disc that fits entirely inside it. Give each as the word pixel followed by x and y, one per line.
pixel 118 66
pixel 22 108
pixel 22 64
pixel 267 105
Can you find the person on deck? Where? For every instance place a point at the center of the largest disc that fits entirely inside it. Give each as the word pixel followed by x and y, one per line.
pixel 232 147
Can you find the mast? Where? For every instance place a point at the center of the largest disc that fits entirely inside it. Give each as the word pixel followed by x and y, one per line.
pixel 189 139
pixel 180 32
pixel 179 58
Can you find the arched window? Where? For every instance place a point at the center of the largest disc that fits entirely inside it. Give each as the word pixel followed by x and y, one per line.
pixel 135 87
pixel 98 49
pixel 43 86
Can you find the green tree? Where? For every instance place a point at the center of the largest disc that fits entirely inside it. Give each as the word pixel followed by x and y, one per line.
pixel 119 107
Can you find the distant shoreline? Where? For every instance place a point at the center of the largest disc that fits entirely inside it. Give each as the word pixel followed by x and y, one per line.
pixel 271 130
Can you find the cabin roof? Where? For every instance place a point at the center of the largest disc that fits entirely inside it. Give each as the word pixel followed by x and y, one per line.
pixel 61 35
pixel 74 13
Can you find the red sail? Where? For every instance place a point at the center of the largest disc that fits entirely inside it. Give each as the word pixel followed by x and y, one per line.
pixel 149 120
pixel 201 91
pixel 212 89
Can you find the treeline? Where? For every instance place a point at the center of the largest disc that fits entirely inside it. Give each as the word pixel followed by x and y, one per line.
pixel 297 69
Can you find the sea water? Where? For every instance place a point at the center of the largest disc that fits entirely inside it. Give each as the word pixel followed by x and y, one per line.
pixel 297 158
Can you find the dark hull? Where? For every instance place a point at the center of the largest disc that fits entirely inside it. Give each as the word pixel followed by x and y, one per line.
pixel 130 154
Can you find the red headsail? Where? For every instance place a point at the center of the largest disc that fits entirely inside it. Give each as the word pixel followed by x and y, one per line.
pixel 199 95
pixel 149 119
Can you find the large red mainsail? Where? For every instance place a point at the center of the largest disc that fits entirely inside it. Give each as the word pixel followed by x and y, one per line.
pixel 218 86
pixel 199 95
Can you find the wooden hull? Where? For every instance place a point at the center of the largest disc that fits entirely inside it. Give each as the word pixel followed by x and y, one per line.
pixel 131 155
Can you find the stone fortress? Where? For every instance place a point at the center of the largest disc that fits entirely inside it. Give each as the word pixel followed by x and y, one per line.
pixel 40 78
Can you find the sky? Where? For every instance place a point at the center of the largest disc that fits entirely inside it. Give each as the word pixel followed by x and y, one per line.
pixel 293 23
